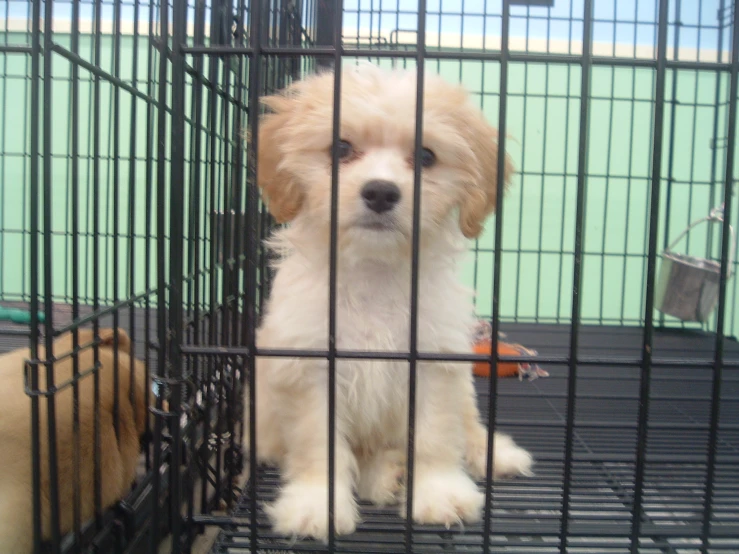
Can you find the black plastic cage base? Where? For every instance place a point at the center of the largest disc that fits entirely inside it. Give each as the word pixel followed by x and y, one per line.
pixel 527 511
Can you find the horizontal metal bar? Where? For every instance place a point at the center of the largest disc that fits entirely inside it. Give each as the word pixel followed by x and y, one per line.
pixel 671 458
pixel 99 72
pixel 685 398
pixel 604 424
pixel 95 70
pixel 130 301
pixel 475 55
pixel 15 332
pixel 579 529
pixel 191 350
pixel 51 391
pixel 15 49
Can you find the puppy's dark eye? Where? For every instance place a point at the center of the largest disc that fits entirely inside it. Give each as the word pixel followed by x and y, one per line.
pixel 345 149
pixel 428 158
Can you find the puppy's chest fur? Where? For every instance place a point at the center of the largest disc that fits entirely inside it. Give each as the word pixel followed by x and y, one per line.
pixel 372 314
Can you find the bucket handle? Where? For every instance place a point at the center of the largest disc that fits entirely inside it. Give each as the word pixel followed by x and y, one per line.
pixel 715 216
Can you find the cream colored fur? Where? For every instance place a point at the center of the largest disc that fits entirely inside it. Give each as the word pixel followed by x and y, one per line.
pixel 373 302
pixel 118 455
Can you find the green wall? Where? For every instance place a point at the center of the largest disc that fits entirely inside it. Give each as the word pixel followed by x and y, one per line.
pixel 539 212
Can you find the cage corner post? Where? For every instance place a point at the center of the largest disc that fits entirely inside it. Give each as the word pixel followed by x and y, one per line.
pixel 174 313
pixel 32 367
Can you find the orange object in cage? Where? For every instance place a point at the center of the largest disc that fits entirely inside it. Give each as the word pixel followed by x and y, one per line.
pixel 505 369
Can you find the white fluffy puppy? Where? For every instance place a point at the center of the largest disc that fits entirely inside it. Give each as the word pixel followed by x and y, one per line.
pixel 375 208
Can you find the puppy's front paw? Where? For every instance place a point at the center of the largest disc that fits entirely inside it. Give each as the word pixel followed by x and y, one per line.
pixel 446 497
pixel 302 511
pixel 509 458
pixel 382 477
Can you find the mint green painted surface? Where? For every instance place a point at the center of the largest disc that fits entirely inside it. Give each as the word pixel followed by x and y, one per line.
pixel 539 211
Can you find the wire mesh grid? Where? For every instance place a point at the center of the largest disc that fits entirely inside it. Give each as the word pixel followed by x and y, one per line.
pixel 137 209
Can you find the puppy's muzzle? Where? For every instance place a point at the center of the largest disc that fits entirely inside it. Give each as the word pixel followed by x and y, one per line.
pixel 380 196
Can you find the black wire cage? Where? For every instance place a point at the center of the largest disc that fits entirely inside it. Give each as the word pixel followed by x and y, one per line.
pixel 131 203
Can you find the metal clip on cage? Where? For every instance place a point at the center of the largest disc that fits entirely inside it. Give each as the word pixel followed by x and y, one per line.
pixel 688 286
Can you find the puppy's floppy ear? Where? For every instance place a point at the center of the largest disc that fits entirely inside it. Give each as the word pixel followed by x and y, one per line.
pixel 107 336
pixel 279 188
pixel 479 199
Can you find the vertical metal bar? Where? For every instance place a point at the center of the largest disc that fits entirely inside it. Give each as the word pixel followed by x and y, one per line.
pixel 48 283
pixel 196 207
pixel 3 124
pixel 325 33
pixel 34 267
pixel 240 229
pixel 521 218
pixel 582 167
pixel 176 245
pixel 673 134
pixel 255 86
pixel 241 195
pixel 566 134
pixel 415 243
pixel 629 174
pixel 96 122
pixel 116 203
pixel 215 255
pixel 227 309
pixel 497 256
pixel 716 100
pixel 149 208
pixel 228 319
pixel 725 269
pixel 210 151
pixel 336 21
pixel 609 158
pixel 216 242
pixel 132 182
pixel 279 30
pixel 483 65
pixel 545 119
pixel 161 254
pixel 74 130
pixel 647 337
pixel 693 152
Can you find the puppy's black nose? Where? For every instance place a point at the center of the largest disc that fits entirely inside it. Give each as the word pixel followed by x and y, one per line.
pixel 380 196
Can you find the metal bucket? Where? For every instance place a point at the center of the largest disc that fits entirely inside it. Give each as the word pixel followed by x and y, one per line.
pixel 688 287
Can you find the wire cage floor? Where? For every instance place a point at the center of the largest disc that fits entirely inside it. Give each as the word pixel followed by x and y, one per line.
pixel 527 511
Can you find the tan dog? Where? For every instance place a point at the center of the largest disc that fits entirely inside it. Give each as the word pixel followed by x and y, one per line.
pixel 118 455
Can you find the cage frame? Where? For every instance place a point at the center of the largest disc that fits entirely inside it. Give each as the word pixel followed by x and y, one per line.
pixel 173 349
